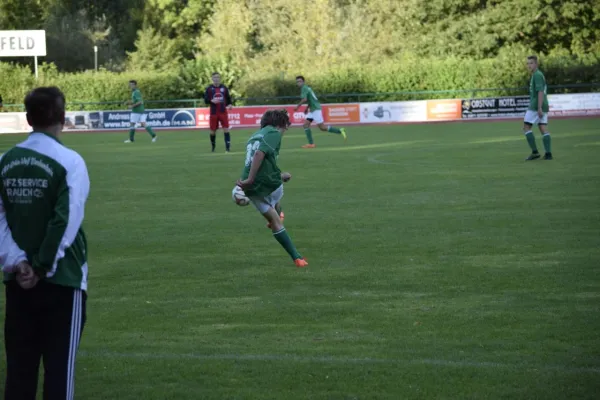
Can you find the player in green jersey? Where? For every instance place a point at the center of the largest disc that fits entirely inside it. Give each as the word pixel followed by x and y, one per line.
pixel 313 113
pixel 262 180
pixel 538 110
pixel 137 113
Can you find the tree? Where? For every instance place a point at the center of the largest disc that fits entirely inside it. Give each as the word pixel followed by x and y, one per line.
pixel 153 52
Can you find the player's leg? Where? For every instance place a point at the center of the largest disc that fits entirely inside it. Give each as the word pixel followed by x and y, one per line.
pixel 543 126
pixel 134 118
pixel 308 132
pixel 531 118
pixel 318 116
pixel 148 128
pixel 213 126
pixel 279 210
pixel 266 206
pixel 224 120
pixel 23 351
pixel 63 323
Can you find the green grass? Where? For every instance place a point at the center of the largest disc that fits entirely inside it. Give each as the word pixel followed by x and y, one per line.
pixel 442 266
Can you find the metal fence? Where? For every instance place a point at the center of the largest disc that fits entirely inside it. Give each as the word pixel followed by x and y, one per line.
pixel 332 97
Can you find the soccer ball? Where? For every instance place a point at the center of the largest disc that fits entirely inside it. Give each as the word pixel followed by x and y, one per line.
pixel 239 197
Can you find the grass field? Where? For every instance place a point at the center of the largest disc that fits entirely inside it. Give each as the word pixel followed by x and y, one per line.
pixel 442 266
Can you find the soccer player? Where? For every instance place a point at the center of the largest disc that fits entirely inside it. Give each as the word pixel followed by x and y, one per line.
pixel 313 113
pixel 43 252
pixel 218 97
pixel 538 111
pixel 137 113
pixel 262 180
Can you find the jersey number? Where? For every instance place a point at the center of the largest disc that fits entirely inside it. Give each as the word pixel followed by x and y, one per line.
pixel 250 150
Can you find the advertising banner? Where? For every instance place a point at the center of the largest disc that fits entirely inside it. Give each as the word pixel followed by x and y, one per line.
pixel 574 104
pixel 13 122
pixel 341 113
pixel 173 118
pixel 495 107
pixel 398 111
pixel 444 110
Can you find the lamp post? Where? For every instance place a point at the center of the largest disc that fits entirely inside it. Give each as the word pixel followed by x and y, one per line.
pixel 96 58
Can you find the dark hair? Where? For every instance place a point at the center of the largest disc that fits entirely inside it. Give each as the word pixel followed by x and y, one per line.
pixel 215 73
pixel 300 77
pixel 45 107
pixel 275 118
pixel 133 81
pixel 534 58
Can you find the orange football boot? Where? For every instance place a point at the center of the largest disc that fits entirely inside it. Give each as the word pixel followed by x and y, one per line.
pixel 300 263
pixel 309 146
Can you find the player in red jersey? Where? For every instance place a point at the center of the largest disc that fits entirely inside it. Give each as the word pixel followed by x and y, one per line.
pixel 218 97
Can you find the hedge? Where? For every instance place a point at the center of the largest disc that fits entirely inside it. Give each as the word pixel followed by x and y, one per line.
pixel 407 75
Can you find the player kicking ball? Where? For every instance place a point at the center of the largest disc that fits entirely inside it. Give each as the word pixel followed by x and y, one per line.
pixel 262 180
pixel 313 113
pixel 538 111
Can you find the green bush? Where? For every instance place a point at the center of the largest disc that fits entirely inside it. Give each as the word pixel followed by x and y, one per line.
pixel 389 80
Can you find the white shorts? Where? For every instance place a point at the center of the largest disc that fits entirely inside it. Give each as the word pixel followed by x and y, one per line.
pixel 316 116
pixel 137 117
pixel 263 204
pixel 532 118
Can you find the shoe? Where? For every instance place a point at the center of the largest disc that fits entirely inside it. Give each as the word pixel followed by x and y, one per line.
pixel 154 139
pixel 281 217
pixel 128 141
pixel 533 156
pixel 309 146
pixel 300 263
pixel 344 134
pixel 548 156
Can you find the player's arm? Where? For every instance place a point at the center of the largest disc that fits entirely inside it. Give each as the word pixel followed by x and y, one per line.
pixel 539 87
pixel 207 97
pixel 257 161
pixel 228 102
pixel 11 254
pixel 137 101
pixel 303 101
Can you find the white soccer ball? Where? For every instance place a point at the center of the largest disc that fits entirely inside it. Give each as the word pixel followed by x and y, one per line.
pixel 239 197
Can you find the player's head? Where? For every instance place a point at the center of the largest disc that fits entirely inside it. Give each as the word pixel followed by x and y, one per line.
pixel 132 84
pixel 300 80
pixel 278 119
pixel 216 78
pixel 45 108
pixel 532 63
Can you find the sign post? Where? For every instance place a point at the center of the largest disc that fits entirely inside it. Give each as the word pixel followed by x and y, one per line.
pixel 23 44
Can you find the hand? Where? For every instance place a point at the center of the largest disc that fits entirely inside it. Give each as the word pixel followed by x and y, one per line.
pixel 229 107
pixel 286 176
pixel 26 276
pixel 296 109
pixel 306 110
pixel 540 113
pixel 244 184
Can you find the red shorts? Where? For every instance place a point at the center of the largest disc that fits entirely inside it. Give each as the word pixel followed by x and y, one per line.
pixel 216 119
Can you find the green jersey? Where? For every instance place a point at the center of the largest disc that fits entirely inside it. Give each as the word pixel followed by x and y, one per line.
pixel 136 97
pixel 536 85
pixel 268 178
pixel 308 94
pixel 43 191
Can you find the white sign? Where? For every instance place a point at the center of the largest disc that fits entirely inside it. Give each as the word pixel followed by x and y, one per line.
pixel 574 104
pixel 400 111
pixel 22 43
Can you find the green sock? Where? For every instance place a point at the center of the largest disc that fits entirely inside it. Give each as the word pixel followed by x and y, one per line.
pixel 546 140
pixel 286 242
pixel 131 134
pixel 531 140
pixel 333 129
pixel 309 135
pixel 150 131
